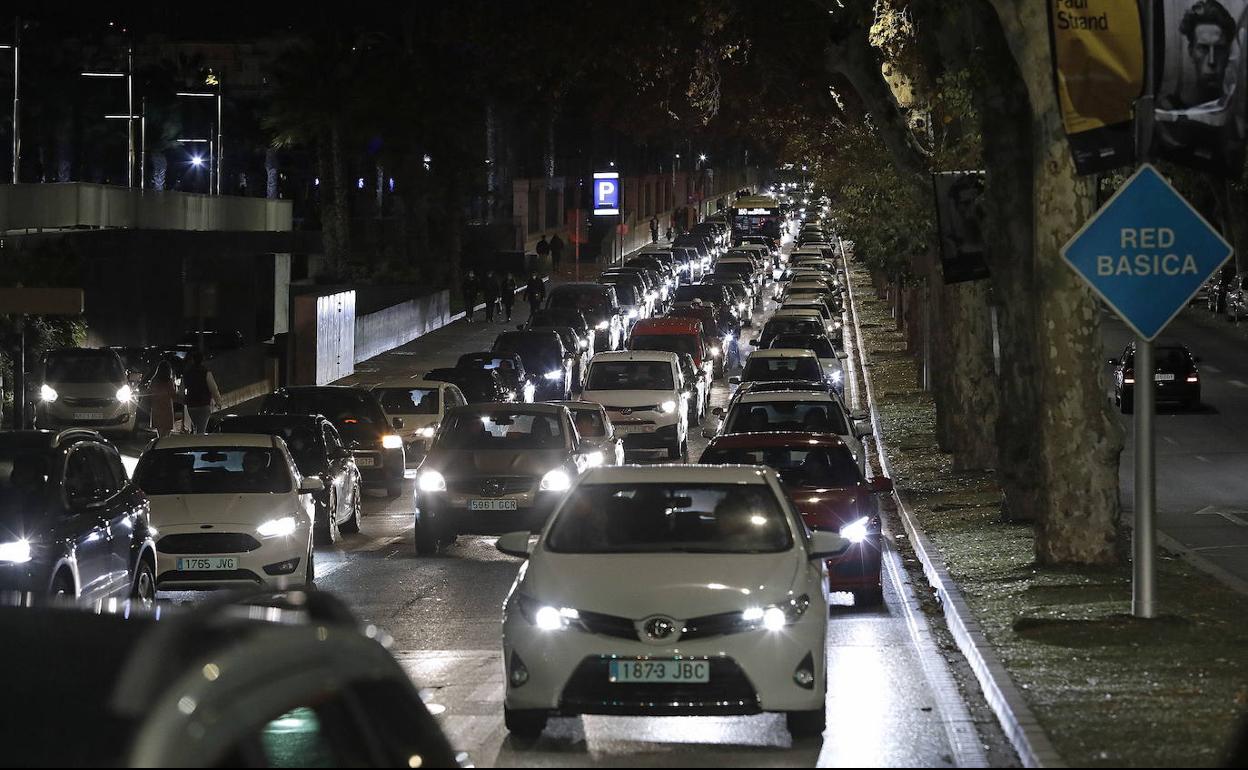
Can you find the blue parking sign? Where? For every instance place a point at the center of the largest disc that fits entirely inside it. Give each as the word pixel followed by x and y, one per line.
pixel 606 193
pixel 1147 252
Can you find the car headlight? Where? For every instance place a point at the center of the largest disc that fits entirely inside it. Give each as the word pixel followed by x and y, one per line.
pixel 16 552
pixel 124 394
pixel 715 352
pixel 47 394
pixel 277 527
pixel 836 324
pixel 431 481
pixel 777 616
pixel 855 532
pixel 668 407
pixel 594 459
pixel 546 617
pixel 584 344
pixel 557 375
pixel 391 441
pixel 837 376
pixel 632 314
pixel 428 431
pixel 556 480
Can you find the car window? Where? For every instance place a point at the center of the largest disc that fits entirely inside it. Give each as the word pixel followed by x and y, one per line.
pixel 341 407
pixel 88 476
pixel 1173 358
pixel 84 367
pixel 797 466
pixel 670 518
pixel 763 369
pixel 502 430
pixel 630 375
pixel 213 470
pixel 409 400
pixel 25 477
pixel 790 416
pixel 590 423
pixel 820 346
pixel 671 343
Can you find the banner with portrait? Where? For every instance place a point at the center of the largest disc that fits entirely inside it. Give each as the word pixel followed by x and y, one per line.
pixel 1201 79
pixel 960 222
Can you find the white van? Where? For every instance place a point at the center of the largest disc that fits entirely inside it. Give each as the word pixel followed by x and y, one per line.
pixel 645 398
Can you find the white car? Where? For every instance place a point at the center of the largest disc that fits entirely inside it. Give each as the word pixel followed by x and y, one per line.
pixel 724 612
pixel 228 510
pixel 599 442
pixel 830 359
pixel 420 404
pixel 644 396
pixel 795 411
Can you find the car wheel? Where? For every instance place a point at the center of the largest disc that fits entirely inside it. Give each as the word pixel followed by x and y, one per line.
pixel 806 724
pixel 325 533
pixel 426 538
pixel 524 723
pixel 869 597
pixel 352 524
pixel 144 589
pixel 309 574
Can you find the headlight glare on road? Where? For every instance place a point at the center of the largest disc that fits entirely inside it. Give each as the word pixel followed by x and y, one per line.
pixel 668 407
pixel 556 480
pixel 855 532
pixel 277 527
pixel 47 394
pixel 16 552
pixel 124 394
pixel 391 441
pixel 431 481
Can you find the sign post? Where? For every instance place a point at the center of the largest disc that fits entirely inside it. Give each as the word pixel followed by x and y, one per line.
pixel 1146 253
pixel 607 203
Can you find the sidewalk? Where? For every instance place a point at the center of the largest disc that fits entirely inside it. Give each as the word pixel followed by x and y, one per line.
pixel 1109 690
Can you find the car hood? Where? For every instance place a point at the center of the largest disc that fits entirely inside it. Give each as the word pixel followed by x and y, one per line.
pixel 243 509
pixel 628 398
pixel 459 463
pixel 86 389
pixel 679 585
pixel 829 508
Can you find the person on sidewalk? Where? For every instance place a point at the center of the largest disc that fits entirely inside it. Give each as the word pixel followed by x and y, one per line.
pixel 201 393
pixel 556 250
pixel 489 294
pixel 654 230
pixel 534 293
pixel 669 231
pixel 469 288
pixel 543 251
pixel 162 391
pixel 507 293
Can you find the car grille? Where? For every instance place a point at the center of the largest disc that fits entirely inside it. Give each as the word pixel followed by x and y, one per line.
pixel 714 625
pixel 492 486
pixel 208 542
pixel 609 625
pixel 93 402
pixel 590 692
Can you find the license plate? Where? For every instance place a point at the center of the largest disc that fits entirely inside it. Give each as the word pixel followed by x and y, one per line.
pixel 491 505
pixel 1165 378
pixel 210 563
pixel 625 427
pixel 88 415
pixel 660 671
pixel 364 461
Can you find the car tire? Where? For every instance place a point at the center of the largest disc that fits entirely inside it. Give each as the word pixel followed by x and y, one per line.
pixel 806 724
pixel 525 723
pixel 352 525
pixel 309 573
pixel 325 533
pixel 869 597
pixel 143 590
pixel 426 538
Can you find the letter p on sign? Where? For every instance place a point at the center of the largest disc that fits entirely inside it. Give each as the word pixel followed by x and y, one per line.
pixel 606 192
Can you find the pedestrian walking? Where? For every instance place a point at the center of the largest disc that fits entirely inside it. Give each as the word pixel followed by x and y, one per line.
pixel 489 294
pixel 669 231
pixel 162 390
pixel 556 250
pixel 534 293
pixel 201 393
pixel 654 230
pixel 469 287
pixel 507 293
pixel 543 251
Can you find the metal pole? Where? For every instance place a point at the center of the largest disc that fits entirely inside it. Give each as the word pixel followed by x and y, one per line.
pixel 220 149
pixel 129 117
pixel 211 163
pixel 19 377
pixel 143 145
pixel 17 133
pixel 1144 541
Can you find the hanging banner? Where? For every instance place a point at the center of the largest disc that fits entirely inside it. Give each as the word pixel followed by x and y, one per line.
pixel 1098 65
pixel 960 218
pixel 1199 115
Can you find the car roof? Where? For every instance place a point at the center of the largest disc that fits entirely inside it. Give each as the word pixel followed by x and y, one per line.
pixel 541 407
pixel 669 325
pixel 787 395
pixel 677 474
pixel 634 355
pixel 411 382
pixel 46 439
pixel 214 440
pixel 776 439
pixel 783 353
pixel 270 420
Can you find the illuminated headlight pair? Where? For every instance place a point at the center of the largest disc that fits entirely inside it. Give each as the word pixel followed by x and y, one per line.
pixel 16 552
pixel 277 527
pixel 391 441
pixel 777 616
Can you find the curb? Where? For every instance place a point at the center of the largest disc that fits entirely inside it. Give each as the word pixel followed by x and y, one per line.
pixel 1016 717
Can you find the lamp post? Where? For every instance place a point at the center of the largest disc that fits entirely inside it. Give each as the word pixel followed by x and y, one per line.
pixel 198 160
pixel 215 168
pixel 129 116
pixel 17 134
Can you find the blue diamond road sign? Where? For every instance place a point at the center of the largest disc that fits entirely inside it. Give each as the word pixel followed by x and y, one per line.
pixel 1147 252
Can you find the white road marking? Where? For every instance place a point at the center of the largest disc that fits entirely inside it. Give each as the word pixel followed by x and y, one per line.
pixel 1169 441
pixel 1202 458
pixel 1219 547
pixel 1239 384
pixel 1226 514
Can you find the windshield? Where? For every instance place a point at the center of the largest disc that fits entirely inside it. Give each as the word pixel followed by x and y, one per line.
pixel 538 354
pixel 672 343
pixel 591 303
pixel 510 431
pixel 213 471
pixel 342 407
pixel 589 423
pixel 409 400
pixel 558 317
pixel 797 466
pixel 23 478
pixel 767 369
pixel 787 416
pixel 84 367
pixel 626 293
pixel 630 375
pixel 733 268
pixel 820 346
pixel 704 292
pixel 669 518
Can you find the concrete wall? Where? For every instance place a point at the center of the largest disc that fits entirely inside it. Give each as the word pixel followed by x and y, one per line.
pixel 399 324
pixel 77 204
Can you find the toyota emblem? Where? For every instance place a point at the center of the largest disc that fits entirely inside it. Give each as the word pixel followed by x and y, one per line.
pixel 659 629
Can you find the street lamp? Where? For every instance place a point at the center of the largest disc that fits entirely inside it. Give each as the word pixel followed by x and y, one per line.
pixel 197 160
pixel 17 142
pixel 129 117
pixel 215 169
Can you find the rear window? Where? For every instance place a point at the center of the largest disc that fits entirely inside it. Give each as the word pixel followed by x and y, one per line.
pixel 580 299
pixel 589 423
pixel 797 466
pixel 820 346
pixel 626 293
pixel 630 375
pixel 346 407
pixel 765 369
pixel 672 343
pixel 409 400
pixel 787 416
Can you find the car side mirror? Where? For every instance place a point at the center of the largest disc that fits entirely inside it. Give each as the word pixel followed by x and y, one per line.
pixel 825 545
pixel 842 356
pixel 311 484
pixel 882 485
pixel 515 544
pixel 397 422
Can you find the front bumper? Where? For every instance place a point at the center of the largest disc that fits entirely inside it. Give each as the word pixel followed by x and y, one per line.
pixel 858 568
pixel 277 562
pixel 450 513
pixel 114 416
pixel 750 672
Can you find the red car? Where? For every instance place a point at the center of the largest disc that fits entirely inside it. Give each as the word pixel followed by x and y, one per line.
pixel 821 476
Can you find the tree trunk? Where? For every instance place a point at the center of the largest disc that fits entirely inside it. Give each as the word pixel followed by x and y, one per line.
pixel 160 171
pixel 973 405
pixel 331 216
pixel 270 173
pixel 1079 441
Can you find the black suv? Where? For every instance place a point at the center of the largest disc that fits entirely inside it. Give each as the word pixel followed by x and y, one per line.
pixel 71 523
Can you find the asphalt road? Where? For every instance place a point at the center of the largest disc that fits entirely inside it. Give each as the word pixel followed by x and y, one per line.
pixel 1202 454
pixel 894 699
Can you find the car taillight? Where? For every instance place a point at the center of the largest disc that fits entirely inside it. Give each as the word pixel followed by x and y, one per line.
pixel 1128 377
pixel 1193 377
